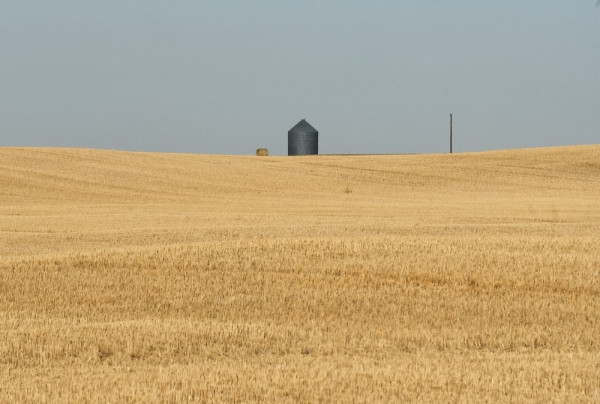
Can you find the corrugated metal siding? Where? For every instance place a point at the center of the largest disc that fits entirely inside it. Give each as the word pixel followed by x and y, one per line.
pixel 300 144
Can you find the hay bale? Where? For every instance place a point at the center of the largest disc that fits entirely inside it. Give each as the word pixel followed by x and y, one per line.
pixel 262 152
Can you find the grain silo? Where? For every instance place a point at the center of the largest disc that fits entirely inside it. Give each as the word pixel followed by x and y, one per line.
pixel 303 139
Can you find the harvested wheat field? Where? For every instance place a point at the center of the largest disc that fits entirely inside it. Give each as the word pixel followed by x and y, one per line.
pixel 165 277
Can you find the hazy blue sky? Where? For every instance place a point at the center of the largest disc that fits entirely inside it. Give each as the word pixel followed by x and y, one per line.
pixel 226 77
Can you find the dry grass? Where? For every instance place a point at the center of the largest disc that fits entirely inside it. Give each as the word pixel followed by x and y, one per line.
pixel 163 277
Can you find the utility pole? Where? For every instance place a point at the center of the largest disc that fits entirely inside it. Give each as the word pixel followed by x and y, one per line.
pixel 450 133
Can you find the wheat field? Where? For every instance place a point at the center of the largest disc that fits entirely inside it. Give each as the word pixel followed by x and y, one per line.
pixel 145 277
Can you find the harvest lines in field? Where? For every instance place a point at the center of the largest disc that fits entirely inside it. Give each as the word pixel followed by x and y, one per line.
pixel 220 278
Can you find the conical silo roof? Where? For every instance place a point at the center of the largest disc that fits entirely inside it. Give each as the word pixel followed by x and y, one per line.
pixel 303 127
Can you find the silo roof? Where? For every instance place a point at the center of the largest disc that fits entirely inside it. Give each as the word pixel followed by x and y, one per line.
pixel 303 127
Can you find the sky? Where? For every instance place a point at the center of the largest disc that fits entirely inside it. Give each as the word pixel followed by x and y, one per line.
pixel 227 77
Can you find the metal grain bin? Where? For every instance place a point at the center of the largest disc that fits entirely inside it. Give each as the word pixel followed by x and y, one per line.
pixel 303 139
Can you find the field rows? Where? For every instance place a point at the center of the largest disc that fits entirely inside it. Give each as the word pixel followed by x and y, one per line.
pixel 150 277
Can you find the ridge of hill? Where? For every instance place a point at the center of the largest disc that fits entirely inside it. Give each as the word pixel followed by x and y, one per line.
pixel 32 175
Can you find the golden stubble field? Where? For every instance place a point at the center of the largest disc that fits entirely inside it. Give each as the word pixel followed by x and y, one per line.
pixel 164 277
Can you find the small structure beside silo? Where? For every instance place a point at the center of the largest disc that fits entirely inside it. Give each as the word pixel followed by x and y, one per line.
pixel 303 140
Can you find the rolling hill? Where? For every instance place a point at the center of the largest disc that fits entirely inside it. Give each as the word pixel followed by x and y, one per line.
pixel 130 276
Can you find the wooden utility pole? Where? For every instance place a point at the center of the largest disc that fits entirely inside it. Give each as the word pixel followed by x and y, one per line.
pixel 450 133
